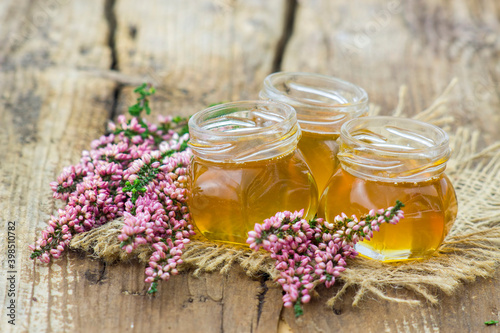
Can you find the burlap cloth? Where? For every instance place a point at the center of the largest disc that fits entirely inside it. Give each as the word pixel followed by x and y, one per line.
pixel 471 250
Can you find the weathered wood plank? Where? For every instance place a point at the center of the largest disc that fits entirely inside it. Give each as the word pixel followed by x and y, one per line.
pixel 66 33
pixel 198 52
pixel 116 300
pixel 48 122
pixel 50 112
pixel 58 92
pixel 466 311
pixel 381 45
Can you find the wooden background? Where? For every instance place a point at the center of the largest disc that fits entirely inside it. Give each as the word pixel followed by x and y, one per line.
pixel 68 66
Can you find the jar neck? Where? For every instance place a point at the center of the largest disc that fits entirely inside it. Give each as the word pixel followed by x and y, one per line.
pixel 391 149
pixel 244 131
pixel 322 103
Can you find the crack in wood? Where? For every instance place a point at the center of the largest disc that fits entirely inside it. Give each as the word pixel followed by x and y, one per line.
pixel 222 317
pixel 109 14
pixel 290 11
pixel 96 277
pixel 102 273
pixel 261 296
pixel 114 102
pixel 142 293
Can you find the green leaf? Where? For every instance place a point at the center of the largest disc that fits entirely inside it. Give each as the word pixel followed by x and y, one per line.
pixel 36 254
pixel 153 289
pixel 141 87
pixel 135 110
pixel 297 308
pixel 142 101
pixel 491 322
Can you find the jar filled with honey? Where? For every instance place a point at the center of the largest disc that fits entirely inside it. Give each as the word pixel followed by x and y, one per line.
pixel 246 167
pixel 323 104
pixel 384 159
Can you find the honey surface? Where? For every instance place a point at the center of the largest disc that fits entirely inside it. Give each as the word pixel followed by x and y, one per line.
pixel 430 209
pixel 320 152
pixel 227 199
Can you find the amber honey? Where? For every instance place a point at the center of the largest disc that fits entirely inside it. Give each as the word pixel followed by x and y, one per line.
pixel 227 199
pixel 430 209
pixel 246 168
pixel 323 103
pixel 384 159
pixel 320 152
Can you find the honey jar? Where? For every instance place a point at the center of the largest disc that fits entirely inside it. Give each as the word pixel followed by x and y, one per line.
pixel 384 159
pixel 323 104
pixel 245 168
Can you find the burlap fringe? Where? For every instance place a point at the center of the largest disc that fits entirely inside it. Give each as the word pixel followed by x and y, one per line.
pixel 471 250
pixel 202 256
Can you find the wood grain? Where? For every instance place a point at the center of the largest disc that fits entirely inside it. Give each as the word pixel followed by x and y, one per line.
pixel 382 45
pixel 198 52
pixel 49 118
pixel 60 83
pixel 53 33
pixel 68 66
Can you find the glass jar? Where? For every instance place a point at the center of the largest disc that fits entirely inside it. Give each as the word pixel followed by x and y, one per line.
pixel 323 104
pixel 246 167
pixel 384 159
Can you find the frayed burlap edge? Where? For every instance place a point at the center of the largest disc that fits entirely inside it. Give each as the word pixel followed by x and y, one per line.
pixel 201 255
pixel 471 250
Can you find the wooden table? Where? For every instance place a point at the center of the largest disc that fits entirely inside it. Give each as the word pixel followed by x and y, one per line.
pixel 67 67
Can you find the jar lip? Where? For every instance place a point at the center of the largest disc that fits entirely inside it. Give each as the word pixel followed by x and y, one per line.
pixel 196 121
pixel 244 131
pixel 361 94
pixel 440 140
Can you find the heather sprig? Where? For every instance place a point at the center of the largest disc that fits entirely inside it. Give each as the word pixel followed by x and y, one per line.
pixel 144 90
pixel 308 253
pixel 137 172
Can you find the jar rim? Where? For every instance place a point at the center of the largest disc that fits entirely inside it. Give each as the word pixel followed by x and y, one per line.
pixel 244 131
pixel 361 94
pixel 389 149
pixel 346 132
pixel 195 122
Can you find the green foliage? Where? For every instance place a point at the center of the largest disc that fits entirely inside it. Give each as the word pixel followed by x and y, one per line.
pixel 144 91
pixel 145 175
pixel 154 288
pixel 178 124
pixel 297 309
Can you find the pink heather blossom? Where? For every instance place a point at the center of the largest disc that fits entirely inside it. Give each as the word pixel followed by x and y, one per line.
pixel 138 172
pixel 308 252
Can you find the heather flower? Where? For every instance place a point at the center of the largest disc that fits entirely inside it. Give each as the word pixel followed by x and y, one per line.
pixel 138 172
pixel 315 251
pixel 67 180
